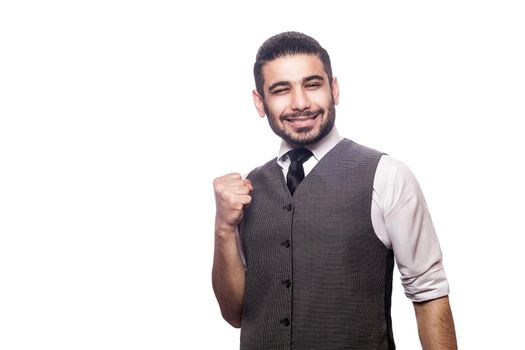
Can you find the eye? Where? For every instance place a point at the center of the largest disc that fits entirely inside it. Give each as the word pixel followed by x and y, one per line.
pixel 280 91
pixel 313 85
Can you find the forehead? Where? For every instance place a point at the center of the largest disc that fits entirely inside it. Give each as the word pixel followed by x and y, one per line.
pixel 292 68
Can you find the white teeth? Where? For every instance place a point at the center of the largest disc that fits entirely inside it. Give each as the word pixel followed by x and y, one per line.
pixel 298 119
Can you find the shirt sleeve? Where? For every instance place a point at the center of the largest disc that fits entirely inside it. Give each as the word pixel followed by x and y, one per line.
pixel 406 227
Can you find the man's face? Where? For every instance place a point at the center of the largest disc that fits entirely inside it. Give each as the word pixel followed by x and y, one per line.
pixel 298 99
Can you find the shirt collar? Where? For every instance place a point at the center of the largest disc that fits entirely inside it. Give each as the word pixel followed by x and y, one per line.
pixel 319 149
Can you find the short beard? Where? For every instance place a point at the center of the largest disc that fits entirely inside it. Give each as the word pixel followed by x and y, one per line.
pixel 304 139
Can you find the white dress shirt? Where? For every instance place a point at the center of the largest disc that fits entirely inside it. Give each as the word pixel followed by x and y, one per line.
pixel 400 219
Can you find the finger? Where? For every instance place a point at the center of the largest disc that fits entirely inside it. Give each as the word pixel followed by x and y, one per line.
pixel 232 176
pixel 230 184
pixel 243 189
pixel 249 184
pixel 238 186
pixel 245 199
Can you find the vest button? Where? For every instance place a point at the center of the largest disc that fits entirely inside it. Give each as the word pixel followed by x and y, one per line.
pixel 287 283
pixel 286 244
pixel 285 322
pixel 288 207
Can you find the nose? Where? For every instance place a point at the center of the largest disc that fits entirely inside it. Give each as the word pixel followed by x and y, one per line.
pixel 300 100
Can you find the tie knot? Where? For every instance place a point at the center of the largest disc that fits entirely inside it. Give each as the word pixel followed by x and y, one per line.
pixel 300 155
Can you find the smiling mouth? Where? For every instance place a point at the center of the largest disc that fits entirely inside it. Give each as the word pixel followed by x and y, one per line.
pixel 303 118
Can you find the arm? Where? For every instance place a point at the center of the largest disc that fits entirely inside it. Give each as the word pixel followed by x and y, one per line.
pixel 231 195
pixel 435 324
pixel 403 223
pixel 228 276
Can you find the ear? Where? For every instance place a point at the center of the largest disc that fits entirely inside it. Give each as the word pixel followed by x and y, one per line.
pixel 335 90
pixel 259 103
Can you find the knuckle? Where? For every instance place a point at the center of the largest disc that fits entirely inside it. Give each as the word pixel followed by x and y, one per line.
pixel 238 206
pixel 234 175
pixel 232 202
pixel 225 197
pixel 219 187
pixel 218 181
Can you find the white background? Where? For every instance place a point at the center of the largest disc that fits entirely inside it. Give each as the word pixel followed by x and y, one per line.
pixel 115 116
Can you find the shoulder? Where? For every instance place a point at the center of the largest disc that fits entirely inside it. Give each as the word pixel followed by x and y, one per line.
pixel 394 169
pixel 261 170
pixel 395 183
pixel 355 153
pixel 352 146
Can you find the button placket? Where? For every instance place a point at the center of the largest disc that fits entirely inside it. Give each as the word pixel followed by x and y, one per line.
pixel 285 321
pixel 288 207
pixel 286 244
pixel 286 282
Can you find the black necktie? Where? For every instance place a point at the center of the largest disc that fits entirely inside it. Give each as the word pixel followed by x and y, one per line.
pixel 296 172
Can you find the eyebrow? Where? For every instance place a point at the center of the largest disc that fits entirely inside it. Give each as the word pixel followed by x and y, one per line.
pixel 287 83
pixel 277 84
pixel 313 77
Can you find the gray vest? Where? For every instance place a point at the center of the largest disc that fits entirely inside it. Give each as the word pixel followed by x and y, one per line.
pixel 317 275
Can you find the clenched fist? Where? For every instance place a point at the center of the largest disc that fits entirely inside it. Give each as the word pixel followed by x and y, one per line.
pixel 232 194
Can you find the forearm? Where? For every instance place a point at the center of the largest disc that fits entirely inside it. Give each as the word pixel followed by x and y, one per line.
pixel 228 276
pixel 436 325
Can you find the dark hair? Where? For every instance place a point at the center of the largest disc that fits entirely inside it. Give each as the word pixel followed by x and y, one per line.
pixel 284 44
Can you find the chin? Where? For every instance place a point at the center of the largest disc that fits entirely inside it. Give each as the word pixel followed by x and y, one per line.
pixel 303 140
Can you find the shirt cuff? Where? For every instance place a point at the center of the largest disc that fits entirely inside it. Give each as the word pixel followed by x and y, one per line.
pixel 431 284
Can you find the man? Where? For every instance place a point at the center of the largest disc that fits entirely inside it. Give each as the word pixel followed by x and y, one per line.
pixel 305 245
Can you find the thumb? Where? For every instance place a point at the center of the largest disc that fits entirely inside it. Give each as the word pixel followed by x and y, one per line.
pixel 249 184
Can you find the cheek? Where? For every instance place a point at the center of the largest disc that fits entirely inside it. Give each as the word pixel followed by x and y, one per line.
pixel 323 99
pixel 276 107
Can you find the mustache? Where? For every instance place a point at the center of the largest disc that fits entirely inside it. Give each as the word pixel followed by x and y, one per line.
pixel 307 114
